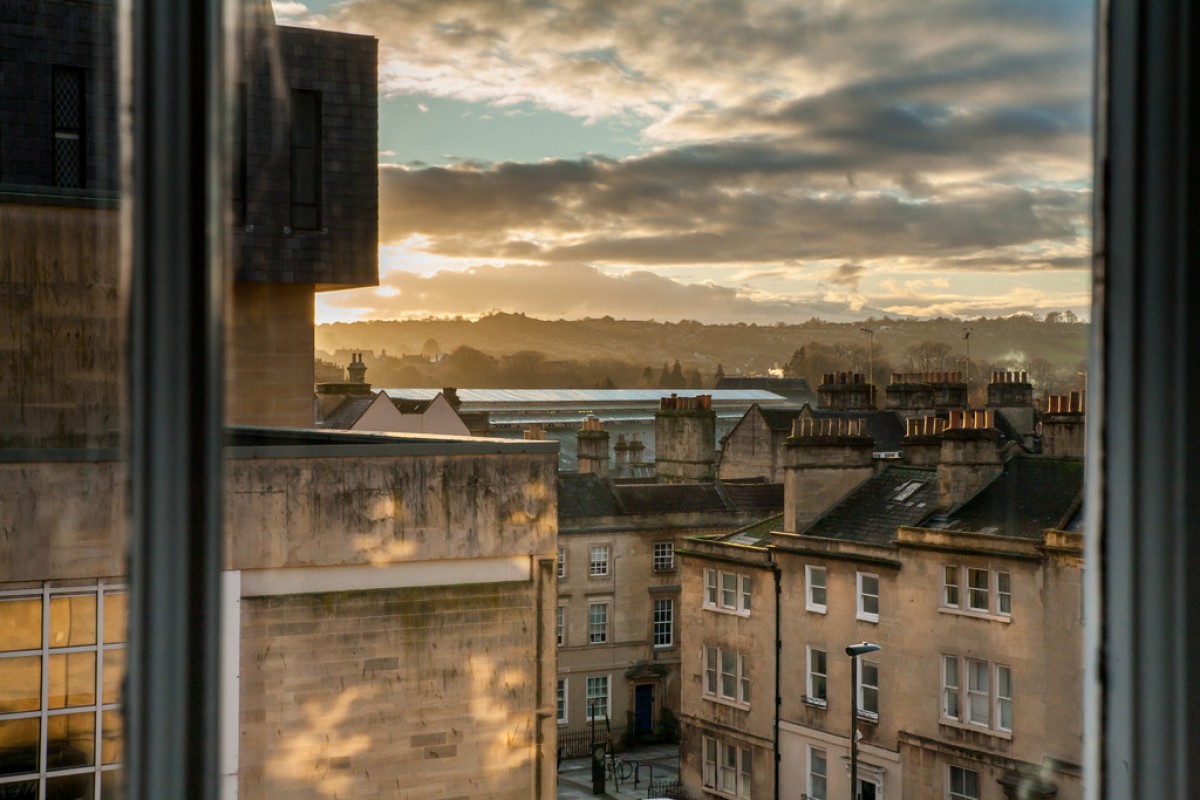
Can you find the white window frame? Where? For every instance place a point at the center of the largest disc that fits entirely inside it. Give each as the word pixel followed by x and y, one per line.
pixel 816 776
pixel 953 795
pixel 598 560
pixel 964 695
pixel 560 624
pixel 812 584
pixel 663 623
pixel 727 768
pixel 562 562
pixel 865 689
pixel 664 556
pixel 728 592
pixel 597 635
pixel 811 676
pixel 589 696
pixel 862 595
pixel 960 597
pixel 47 652
pixel 721 665
pixel 562 695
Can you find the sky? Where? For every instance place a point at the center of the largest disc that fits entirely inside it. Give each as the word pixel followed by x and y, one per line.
pixel 726 160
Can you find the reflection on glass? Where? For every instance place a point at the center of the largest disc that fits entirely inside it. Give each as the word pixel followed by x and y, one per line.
pixel 112 785
pixel 20 624
pixel 114 673
pixel 112 739
pixel 71 787
pixel 72 680
pixel 18 746
pixel 70 741
pixel 116 611
pixel 20 684
pixel 73 620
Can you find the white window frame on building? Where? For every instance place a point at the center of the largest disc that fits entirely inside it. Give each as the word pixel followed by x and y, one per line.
pixel 868 690
pixel 817 785
pixel 726 676
pixel 960 790
pixel 560 624
pixel 977 694
pixel 727 592
pixel 663 623
pixel 562 562
pixel 562 694
pixel 664 556
pixel 87 705
pixel 815 678
pixel 598 558
pixel 591 695
pixel 816 580
pixel 977 591
pixel 597 630
pixel 867 600
pixel 726 769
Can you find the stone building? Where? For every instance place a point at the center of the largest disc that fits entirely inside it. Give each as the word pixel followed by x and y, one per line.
pixel 964 565
pixel 618 588
pixel 387 600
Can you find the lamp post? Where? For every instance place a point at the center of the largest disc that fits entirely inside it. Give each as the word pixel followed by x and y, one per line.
pixel 854 651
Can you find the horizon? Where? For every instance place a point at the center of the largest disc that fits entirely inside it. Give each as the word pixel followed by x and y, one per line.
pixel 834 159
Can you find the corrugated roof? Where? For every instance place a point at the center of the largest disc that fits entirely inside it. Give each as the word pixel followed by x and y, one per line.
pixel 1033 493
pixel 899 495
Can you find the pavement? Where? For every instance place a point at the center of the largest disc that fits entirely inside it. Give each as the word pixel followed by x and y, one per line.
pixel 660 761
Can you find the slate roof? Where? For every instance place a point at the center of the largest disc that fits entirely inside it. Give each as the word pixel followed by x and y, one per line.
pixel 582 495
pixel 346 414
pixel 668 498
pixel 1033 493
pixel 753 495
pixel 406 406
pixel 585 495
pixel 779 419
pixel 899 495
pixel 758 534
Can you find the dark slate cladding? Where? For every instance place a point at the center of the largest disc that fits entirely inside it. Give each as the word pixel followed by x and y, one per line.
pixel 585 495
pixel 899 495
pixel 670 498
pixel 348 413
pixel 753 495
pixel 885 427
pixel 36 37
pixel 1033 493
pixel 342 67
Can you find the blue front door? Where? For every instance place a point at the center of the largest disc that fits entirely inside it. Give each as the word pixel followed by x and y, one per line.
pixel 643 708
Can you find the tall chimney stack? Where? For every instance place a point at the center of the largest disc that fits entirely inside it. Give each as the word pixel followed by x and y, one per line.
pixel 845 391
pixel 592 447
pixel 970 456
pixel 357 369
pixel 1063 430
pixel 685 439
pixel 825 459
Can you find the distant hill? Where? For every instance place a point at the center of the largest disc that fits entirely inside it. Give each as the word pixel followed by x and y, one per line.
pixel 1055 348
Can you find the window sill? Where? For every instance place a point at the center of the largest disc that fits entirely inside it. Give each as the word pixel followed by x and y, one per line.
pixel 959 725
pixel 962 612
pixel 816 702
pixel 724 701
pixel 817 609
pixel 733 612
pixel 868 716
pixel 872 618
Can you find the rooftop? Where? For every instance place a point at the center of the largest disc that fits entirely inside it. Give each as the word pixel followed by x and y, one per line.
pixel 899 495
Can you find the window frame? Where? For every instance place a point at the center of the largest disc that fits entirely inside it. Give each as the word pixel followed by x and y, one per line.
pixel 811 674
pixel 864 689
pixel 598 635
pixel 961 596
pixel 588 696
pixel 732 598
pixel 64 133
pixel 812 792
pixel 715 756
pixel 968 697
pixel 861 595
pixel 664 556
pixel 953 795
pixel 562 701
pixel 810 585
pixel 560 624
pixel 562 562
pixel 713 663
pixel 599 568
pixel 657 622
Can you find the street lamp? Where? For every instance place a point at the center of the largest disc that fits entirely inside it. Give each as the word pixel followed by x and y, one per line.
pixel 854 651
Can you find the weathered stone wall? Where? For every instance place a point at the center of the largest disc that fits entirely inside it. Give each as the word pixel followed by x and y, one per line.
pixel 401 693
pixel 970 459
pixel 685 444
pixel 752 450
pixel 820 471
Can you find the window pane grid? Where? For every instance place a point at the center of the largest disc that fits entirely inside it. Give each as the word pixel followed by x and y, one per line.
pixel 664 556
pixel 664 623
